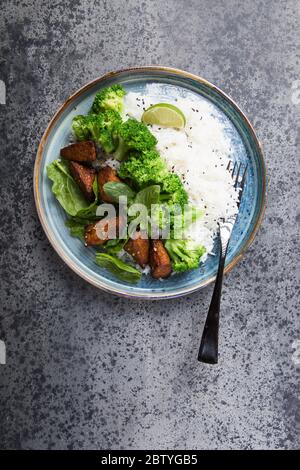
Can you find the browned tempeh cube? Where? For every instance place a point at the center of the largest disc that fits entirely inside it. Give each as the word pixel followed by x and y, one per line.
pixel 159 260
pixel 138 248
pixel 84 177
pixel 98 233
pixel 80 152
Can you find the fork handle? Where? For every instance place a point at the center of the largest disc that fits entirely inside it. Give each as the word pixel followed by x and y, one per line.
pixel 208 351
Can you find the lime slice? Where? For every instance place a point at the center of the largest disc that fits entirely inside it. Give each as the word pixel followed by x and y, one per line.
pixel 164 115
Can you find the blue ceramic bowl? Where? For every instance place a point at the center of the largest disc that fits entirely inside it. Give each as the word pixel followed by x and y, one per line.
pixel 245 147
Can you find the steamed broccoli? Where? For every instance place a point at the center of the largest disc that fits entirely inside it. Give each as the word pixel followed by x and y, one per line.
pixel 144 169
pixel 183 217
pixel 174 220
pixel 172 185
pixel 184 254
pixel 101 128
pixel 149 168
pixel 134 135
pixel 109 98
pixel 80 127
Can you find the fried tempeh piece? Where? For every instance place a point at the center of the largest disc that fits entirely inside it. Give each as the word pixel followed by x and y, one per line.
pixel 84 177
pixel 98 233
pixel 159 260
pixel 138 248
pixel 106 175
pixel 80 152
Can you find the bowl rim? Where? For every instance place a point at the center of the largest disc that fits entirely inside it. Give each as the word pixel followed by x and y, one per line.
pixel 43 219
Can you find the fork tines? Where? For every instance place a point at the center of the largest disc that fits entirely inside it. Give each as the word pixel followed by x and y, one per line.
pixel 238 176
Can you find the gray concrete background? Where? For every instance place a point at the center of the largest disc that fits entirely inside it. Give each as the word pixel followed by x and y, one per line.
pixel 88 370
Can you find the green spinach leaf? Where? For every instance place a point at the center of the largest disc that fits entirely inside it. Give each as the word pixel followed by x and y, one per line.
pixel 114 190
pixel 121 270
pixel 76 227
pixel 148 196
pixel 114 246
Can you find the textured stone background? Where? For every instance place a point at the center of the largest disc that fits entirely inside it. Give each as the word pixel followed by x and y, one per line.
pixel 88 370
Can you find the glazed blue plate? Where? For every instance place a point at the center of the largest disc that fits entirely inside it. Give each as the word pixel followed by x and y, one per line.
pixel 245 148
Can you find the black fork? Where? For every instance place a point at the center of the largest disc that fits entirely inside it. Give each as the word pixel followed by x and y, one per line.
pixel 208 351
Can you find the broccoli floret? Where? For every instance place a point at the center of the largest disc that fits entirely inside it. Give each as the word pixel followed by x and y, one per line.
pixel 172 185
pixel 109 98
pixel 80 127
pixel 184 254
pixel 147 168
pixel 104 129
pixel 183 217
pixel 101 128
pixel 134 135
pixel 144 169
pixel 174 220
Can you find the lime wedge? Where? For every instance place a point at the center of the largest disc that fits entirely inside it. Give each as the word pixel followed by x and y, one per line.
pixel 164 115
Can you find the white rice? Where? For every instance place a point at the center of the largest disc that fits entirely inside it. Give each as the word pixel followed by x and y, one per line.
pixel 199 154
pixel 112 162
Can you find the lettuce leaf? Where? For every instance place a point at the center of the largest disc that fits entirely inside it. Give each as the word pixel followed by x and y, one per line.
pixel 71 198
pixel 77 226
pixel 65 189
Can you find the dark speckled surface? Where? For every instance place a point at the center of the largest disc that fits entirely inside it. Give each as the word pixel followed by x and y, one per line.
pixel 87 370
